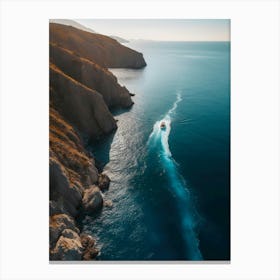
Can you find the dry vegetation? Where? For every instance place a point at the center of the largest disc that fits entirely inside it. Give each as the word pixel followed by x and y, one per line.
pixel 66 147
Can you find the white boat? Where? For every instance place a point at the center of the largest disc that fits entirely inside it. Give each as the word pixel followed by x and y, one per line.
pixel 162 125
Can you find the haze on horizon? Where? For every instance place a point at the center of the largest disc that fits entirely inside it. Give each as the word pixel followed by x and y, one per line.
pixel 162 29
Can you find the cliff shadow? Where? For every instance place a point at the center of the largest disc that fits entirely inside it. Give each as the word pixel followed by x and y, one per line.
pixel 118 111
pixel 100 150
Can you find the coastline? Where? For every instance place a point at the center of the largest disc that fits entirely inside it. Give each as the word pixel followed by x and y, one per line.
pixel 82 93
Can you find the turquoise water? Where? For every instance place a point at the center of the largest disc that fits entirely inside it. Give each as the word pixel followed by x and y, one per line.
pixel 170 187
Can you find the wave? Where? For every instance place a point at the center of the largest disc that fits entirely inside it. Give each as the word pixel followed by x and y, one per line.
pixel 178 186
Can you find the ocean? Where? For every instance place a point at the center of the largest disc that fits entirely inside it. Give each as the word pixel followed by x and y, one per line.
pixel 170 187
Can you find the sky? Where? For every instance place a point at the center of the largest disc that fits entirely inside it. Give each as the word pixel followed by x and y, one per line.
pixel 162 29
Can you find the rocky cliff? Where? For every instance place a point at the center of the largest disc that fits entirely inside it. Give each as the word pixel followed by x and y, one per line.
pixel 72 171
pixel 81 106
pixel 82 91
pixel 91 75
pixel 103 50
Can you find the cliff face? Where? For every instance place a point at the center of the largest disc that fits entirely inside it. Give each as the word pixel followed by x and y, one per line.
pixel 72 170
pixel 101 49
pixel 91 75
pixel 81 106
pixel 71 167
pixel 81 92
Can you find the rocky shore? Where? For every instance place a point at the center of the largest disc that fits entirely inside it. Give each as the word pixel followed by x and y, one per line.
pixel 82 92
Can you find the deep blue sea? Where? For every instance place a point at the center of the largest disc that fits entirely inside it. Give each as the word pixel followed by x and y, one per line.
pixel 170 188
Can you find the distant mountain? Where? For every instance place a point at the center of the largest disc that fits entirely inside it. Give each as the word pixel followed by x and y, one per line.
pixel 119 39
pixel 73 24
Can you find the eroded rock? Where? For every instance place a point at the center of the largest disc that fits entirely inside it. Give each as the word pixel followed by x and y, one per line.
pixel 69 233
pixel 58 223
pixel 92 199
pixel 108 203
pixel 67 249
pixel 103 182
pixel 88 242
pixel 60 187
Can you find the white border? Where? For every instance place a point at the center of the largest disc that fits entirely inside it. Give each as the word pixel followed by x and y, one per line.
pixel 255 138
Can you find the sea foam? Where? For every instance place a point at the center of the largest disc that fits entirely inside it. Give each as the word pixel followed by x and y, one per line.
pixel 176 181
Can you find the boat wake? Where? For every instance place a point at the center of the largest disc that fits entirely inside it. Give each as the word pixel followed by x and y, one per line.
pixel 177 184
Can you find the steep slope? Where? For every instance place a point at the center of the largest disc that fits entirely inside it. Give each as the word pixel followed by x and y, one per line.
pixel 72 173
pixel 98 48
pixel 91 75
pixel 81 106
pixel 71 167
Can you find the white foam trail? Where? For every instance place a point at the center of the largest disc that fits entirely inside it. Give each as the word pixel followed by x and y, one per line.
pixel 174 107
pixel 177 183
pixel 167 120
pixel 165 133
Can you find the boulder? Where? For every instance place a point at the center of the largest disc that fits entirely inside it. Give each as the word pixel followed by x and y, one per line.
pixel 92 199
pixel 108 203
pixel 57 224
pixel 87 240
pixel 67 249
pixel 90 252
pixel 103 182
